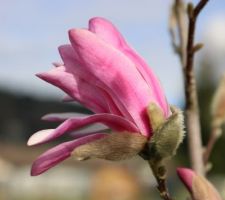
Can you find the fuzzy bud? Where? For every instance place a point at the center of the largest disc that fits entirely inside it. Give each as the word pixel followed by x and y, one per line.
pixel 115 146
pixel 168 137
pixel 156 116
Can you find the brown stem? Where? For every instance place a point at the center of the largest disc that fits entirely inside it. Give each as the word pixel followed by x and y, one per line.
pixel 192 108
pixel 199 7
pixel 186 55
pixel 160 174
pixel 215 134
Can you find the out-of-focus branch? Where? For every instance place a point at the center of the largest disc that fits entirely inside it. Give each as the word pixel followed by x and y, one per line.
pixel 186 54
pixel 177 26
pixel 218 118
pixel 192 107
pixel 215 134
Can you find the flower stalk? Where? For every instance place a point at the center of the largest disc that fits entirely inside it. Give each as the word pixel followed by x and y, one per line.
pixel 168 135
pixel 218 118
pixel 159 171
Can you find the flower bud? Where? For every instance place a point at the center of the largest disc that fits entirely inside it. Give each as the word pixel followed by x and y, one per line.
pixel 199 187
pixel 115 146
pixel 168 137
pixel 156 116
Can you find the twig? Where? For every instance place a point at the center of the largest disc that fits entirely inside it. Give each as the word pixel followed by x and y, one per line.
pixel 192 108
pixel 186 55
pixel 215 134
pixel 161 180
pixel 218 118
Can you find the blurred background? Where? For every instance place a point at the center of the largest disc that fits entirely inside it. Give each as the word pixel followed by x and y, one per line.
pixel 30 33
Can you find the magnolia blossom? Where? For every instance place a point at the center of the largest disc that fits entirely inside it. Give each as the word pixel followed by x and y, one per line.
pixel 198 186
pixel 104 74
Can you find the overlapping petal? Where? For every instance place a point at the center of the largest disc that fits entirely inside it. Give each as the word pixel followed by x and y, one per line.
pixel 109 33
pixel 75 67
pixel 101 72
pixel 59 153
pixel 113 121
pixel 77 88
pixel 117 72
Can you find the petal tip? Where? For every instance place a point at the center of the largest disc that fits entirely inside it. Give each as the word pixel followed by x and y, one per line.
pixel 40 75
pixel 63 47
pixel 57 64
pixel 37 168
pixel 76 35
pixel 34 172
pixel 38 137
pixel 96 20
pixel 46 117
pixel 72 32
pixel 186 175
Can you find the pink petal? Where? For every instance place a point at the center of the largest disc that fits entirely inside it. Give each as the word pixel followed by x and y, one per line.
pixel 186 175
pixel 90 130
pixel 60 117
pixel 38 136
pixel 75 87
pixel 72 65
pixel 57 64
pixel 113 121
pixel 68 98
pixel 117 72
pixel 70 57
pixel 109 33
pixel 199 187
pixel 59 153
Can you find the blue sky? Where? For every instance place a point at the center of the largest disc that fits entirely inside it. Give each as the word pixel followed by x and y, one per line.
pixel 32 30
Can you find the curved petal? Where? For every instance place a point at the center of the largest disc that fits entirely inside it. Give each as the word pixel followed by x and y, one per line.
pixel 87 130
pixel 113 121
pixel 38 136
pixel 186 175
pixel 109 33
pixel 76 88
pixel 116 71
pixel 59 153
pixel 74 67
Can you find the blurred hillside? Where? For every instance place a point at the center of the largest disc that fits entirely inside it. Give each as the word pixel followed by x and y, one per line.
pixel 20 115
pixel 207 83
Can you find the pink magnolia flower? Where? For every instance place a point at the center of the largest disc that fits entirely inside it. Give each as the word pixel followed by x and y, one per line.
pixel 198 186
pixel 103 73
